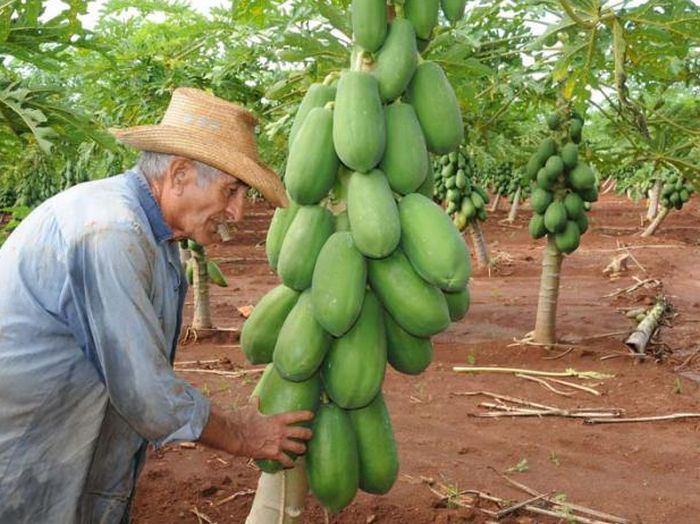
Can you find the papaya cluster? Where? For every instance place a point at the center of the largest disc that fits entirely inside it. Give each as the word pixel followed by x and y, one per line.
pixel 562 185
pixel 675 192
pixel 370 267
pixel 213 270
pixel 464 200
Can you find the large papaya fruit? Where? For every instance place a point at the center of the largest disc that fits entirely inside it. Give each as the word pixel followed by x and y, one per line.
pixel 281 220
pixel 434 100
pixel 338 284
pixel 359 129
pixel 406 155
pixel 369 23
pixel 373 214
pixel 453 9
pixel 318 95
pixel 417 306
pixel 302 343
pixel 278 395
pixel 353 371
pixel 432 243
pixel 458 303
pixel 332 463
pixel 396 61
pixel 261 329
pixel 376 447
pixel 406 353
pixel 312 163
pixel 423 14
pixel 305 237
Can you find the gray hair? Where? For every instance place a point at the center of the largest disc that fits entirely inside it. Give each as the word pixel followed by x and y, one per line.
pixel 153 165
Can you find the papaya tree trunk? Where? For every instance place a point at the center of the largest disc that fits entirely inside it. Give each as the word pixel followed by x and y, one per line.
pixel 654 196
pixel 185 255
pixel 200 285
pixel 280 497
pixel 651 229
pixel 545 324
pixel 641 336
pixel 478 243
pixel 496 201
pixel 514 207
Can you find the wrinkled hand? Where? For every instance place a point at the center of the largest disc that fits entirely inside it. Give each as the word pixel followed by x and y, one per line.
pixel 269 436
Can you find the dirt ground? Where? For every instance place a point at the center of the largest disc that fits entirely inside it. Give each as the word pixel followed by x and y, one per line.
pixel 645 472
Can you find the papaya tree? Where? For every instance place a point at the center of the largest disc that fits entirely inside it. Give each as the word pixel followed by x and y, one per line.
pixel 200 272
pixel 351 299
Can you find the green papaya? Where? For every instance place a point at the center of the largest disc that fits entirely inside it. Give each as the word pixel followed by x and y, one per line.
pixel 353 371
pixel 373 214
pixel 547 148
pixel 458 303
pixel 417 306
pixel 589 194
pixel 369 23
pixel 540 200
pixel 338 285
pixel 568 240
pixel 575 129
pixel 193 246
pixel 436 105
pixel 483 194
pixel 278 395
pixel 468 208
pixel 461 180
pixel 405 352
pixel 536 226
pixel 555 217
pixel 302 343
pixel 261 330
pixel 460 221
pixel 581 178
pixel 582 222
pixel 554 166
pixel 332 462
pixel 396 61
pixel 423 14
pixel 279 225
pixel 359 128
pixel 318 95
pixel 312 164
pixel 305 237
pixel 426 231
pixel 544 179
pixel 406 155
pixel 376 447
pixel 215 274
pixel 477 200
pixel 569 155
pixel 533 166
pixel 453 9
pixel 574 205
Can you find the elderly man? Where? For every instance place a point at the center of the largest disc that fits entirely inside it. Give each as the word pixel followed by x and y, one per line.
pixel 90 312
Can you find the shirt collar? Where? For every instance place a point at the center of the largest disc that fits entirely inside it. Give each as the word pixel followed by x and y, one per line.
pixel 161 230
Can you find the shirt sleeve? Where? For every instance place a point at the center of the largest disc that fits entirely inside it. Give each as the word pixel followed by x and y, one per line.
pixel 110 277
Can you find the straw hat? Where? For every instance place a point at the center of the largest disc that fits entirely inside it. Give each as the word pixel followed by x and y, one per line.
pixel 221 134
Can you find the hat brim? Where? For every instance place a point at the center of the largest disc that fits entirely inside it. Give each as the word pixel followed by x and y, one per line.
pixel 204 148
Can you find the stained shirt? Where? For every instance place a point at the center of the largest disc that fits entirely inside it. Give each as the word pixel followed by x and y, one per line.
pixel 90 310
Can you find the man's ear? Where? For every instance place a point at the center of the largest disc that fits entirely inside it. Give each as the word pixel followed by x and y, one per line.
pixel 177 174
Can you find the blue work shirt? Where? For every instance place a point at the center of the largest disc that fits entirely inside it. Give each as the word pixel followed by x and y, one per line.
pixel 90 311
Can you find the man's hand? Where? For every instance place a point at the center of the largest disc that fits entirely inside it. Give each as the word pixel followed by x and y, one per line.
pixel 248 433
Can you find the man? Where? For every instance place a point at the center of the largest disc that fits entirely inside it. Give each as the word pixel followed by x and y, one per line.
pixel 90 311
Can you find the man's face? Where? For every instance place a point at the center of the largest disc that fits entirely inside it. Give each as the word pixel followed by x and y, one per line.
pixel 196 212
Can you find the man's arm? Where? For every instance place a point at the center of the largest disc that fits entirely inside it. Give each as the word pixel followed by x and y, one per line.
pixel 245 432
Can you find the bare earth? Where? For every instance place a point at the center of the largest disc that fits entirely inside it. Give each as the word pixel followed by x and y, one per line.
pixel 644 472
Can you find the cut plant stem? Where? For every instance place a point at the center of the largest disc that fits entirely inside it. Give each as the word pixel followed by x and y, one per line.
pixel 568 373
pixel 545 323
pixel 649 231
pixel 641 336
pixel 279 498
pixel 479 244
pixel 673 416
pixel 514 206
pixel 546 384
